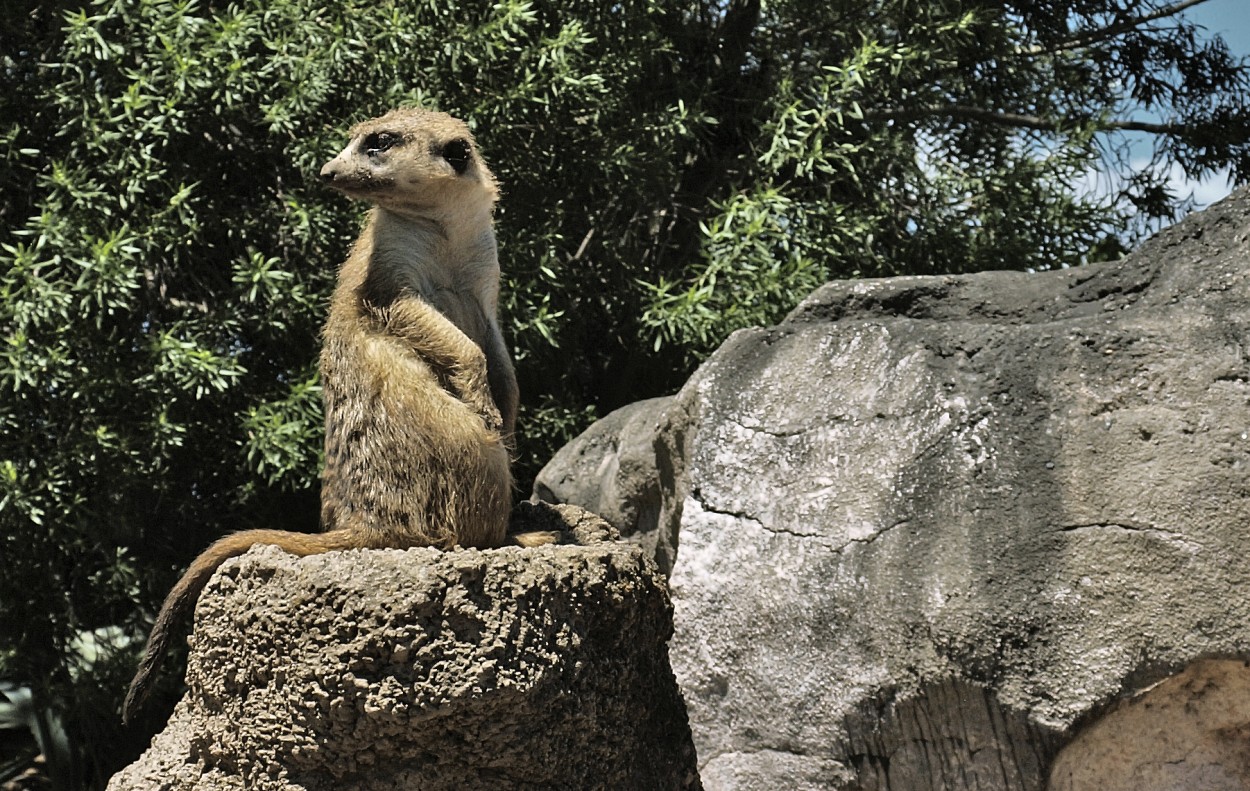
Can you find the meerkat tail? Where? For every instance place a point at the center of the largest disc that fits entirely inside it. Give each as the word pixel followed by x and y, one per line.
pixel 182 598
pixel 536 538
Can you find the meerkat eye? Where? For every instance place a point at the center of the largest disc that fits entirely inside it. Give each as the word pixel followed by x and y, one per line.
pixel 378 142
pixel 457 154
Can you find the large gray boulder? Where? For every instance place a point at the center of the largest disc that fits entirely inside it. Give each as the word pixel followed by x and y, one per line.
pixel 427 670
pixel 928 528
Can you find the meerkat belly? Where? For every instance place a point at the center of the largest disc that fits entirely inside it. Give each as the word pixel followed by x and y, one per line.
pixel 407 462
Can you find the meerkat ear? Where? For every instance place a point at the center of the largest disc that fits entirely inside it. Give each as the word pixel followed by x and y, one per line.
pixel 457 154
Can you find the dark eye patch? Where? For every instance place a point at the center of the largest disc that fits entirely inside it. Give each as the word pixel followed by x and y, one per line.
pixel 457 153
pixel 378 142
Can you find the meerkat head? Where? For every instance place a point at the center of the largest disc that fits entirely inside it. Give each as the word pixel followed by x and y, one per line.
pixel 414 162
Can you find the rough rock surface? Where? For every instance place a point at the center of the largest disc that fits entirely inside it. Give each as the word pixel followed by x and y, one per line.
pixel 1189 733
pixel 929 528
pixel 609 469
pixel 502 669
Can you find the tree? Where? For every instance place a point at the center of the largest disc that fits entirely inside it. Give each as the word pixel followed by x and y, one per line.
pixel 671 171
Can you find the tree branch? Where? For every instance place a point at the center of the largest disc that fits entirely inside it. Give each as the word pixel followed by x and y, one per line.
pixel 1008 119
pixel 1111 31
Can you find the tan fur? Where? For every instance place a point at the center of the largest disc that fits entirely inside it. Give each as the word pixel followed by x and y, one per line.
pixel 419 392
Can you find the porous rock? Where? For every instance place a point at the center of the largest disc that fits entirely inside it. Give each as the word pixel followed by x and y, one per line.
pixel 930 530
pixel 1189 732
pixel 510 668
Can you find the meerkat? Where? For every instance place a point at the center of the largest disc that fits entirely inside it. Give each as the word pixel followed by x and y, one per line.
pixel 419 391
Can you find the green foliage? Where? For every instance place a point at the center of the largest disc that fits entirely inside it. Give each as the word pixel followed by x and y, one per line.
pixel 671 171
pixel 756 254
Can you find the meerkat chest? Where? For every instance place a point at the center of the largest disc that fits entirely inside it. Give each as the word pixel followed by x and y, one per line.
pixel 463 290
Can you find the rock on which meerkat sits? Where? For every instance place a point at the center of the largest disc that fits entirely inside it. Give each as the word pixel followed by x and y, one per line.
pixel 945 532
pixel 511 668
